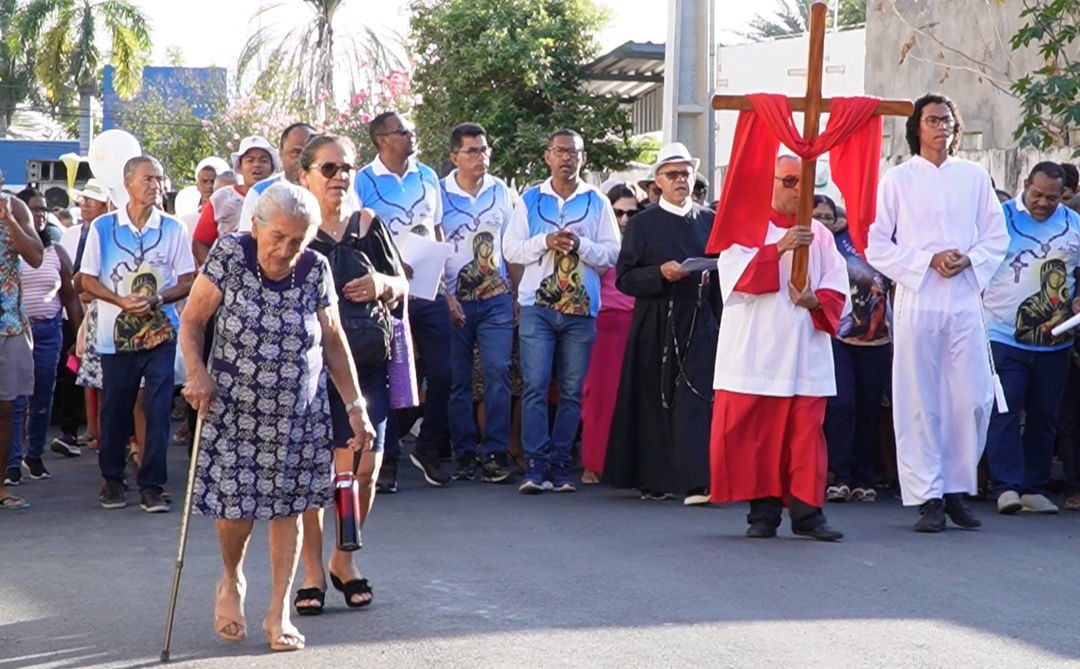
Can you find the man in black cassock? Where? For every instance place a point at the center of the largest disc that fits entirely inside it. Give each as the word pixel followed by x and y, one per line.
pixel 659 439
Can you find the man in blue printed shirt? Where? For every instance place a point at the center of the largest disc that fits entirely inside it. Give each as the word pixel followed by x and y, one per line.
pixel 1029 295
pixel 290 146
pixel 564 233
pixel 476 210
pixel 137 264
pixel 406 195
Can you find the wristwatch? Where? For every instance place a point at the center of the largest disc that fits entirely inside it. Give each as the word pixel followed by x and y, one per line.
pixel 358 403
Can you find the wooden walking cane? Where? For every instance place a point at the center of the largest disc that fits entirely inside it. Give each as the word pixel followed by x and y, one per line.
pixel 183 539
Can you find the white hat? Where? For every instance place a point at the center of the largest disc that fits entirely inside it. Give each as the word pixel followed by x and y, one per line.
pixel 94 189
pixel 676 152
pixel 214 163
pixel 256 142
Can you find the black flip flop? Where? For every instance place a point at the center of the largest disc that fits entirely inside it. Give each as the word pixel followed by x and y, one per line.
pixel 358 586
pixel 304 594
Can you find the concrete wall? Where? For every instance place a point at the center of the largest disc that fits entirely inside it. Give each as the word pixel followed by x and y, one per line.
pixel 1008 167
pixel 956 47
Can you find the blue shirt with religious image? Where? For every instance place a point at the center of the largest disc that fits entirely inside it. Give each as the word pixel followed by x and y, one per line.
pixel 474 227
pixel 1033 288
pixel 868 322
pixel 410 203
pixel 128 261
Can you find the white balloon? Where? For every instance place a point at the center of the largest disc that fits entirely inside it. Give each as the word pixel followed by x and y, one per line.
pixel 187 200
pixel 109 152
pixel 119 196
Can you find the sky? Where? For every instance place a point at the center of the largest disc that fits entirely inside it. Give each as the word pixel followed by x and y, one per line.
pixel 212 32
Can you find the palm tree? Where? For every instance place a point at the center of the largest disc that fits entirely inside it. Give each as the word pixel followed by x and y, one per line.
pixel 16 64
pixel 67 58
pixel 299 69
pixel 792 17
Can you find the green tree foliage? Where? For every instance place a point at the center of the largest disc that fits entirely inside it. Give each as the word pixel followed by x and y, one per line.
pixel 16 63
pixel 1049 96
pixel 792 17
pixel 163 118
pixel 515 67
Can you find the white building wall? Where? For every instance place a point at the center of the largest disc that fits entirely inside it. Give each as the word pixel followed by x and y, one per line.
pixel 779 66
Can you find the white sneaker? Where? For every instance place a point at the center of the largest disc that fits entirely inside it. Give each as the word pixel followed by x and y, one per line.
pixel 697 499
pixel 1009 503
pixel 1038 504
pixel 838 493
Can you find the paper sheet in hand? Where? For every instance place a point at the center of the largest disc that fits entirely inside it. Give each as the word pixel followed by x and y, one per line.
pixel 427 258
pixel 698 264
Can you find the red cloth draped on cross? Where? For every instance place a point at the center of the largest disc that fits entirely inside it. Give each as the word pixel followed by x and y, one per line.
pixel 853 134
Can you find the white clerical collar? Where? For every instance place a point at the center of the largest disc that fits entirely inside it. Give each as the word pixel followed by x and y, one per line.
pixel 153 222
pixel 380 169
pixel 949 160
pixel 546 189
pixel 676 209
pixel 452 186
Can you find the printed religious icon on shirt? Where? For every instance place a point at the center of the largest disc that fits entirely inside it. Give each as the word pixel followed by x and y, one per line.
pixel 141 333
pixel 480 279
pixel 1038 314
pixel 564 289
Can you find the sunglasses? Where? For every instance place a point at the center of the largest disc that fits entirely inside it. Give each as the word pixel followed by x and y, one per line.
pixel 331 170
pixel 788 181
pixel 675 175
pixel 400 130
pixel 619 213
pixel 39 210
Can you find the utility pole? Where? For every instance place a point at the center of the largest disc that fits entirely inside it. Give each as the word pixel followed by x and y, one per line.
pixel 689 79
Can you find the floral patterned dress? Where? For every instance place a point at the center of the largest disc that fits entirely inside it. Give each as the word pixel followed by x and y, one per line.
pixel 265 449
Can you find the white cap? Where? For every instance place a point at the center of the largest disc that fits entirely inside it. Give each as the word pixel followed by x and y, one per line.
pixel 256 142
pixel 676 152
pixel 214 163
pixel 94 189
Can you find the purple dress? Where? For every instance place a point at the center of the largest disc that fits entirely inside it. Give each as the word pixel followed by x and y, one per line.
pixel 265 449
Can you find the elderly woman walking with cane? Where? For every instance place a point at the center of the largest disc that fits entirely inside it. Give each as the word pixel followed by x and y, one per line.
pixel 265 447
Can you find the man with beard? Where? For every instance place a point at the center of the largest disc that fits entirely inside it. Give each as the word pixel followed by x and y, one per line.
pixel 1028 296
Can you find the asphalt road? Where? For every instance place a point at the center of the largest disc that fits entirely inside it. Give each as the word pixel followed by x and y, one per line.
pixel 476 576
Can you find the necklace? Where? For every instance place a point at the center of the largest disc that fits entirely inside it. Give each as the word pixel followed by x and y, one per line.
pixel 258 272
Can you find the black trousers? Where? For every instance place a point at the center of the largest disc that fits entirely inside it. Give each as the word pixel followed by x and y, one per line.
pixel 69 398
pixel 770 510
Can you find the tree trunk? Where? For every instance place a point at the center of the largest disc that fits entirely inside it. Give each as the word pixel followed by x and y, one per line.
pixel 86 120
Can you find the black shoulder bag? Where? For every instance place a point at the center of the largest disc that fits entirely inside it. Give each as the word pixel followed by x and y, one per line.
pixel 367 325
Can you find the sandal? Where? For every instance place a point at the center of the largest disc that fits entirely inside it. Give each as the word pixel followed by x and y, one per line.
pixel 224 618
pixel 13 503
pixel 1072 503
pixel 305 594
pixel 590 477
pixel 284 639
pixel 357 586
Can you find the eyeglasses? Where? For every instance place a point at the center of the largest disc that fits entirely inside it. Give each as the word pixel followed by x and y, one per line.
pixel 619 213
pixel 940 122
pixel 675 175
pixel 826 218
pixel 563 152
pixel 788 181
pixel 475 151
pixel 403 131
pixel 331 170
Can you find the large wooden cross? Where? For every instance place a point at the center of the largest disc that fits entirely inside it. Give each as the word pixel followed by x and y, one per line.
pixel 812 106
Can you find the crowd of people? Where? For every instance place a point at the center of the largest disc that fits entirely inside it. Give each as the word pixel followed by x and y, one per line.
pixel 614 329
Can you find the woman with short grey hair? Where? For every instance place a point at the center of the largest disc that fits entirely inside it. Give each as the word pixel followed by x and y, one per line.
pixel 265 448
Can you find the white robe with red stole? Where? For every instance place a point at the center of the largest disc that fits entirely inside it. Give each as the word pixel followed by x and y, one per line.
pixel 774 370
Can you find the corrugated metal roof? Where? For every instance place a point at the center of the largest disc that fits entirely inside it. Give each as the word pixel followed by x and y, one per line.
pixel 15 152
pixel 627 72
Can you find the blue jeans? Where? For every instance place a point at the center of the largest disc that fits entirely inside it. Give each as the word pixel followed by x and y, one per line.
pixel 1034 382
pixel 121 373
pixel 853 415
pixel 549 339
pixel 489 324
pixel 431 331
pixel 48 340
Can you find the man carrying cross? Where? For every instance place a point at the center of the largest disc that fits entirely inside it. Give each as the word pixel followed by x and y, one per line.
pixel 768 444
